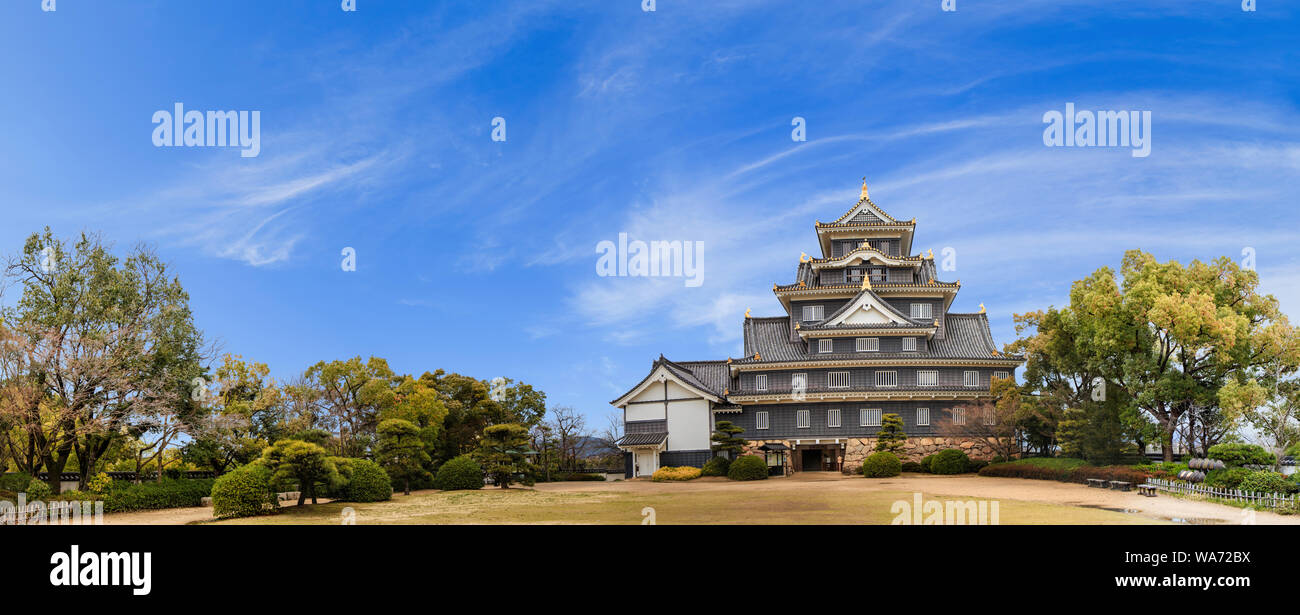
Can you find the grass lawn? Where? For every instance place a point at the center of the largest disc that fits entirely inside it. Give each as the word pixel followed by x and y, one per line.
pixel 699 502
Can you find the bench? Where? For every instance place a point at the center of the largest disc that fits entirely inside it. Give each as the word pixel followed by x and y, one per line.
pixel 1120 485
pixel 1100 483
pixel 1147 490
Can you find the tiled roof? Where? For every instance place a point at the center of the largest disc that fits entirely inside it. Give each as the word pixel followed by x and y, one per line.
pixel 643 439
pixel 968 337
pixel 712 376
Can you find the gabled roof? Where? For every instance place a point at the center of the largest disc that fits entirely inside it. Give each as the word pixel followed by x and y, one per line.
pixel 707 378
pixel 867 298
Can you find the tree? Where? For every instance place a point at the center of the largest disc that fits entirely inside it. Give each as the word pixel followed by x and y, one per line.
pixel 726 439
pixel 502 453
pixel 304 463
pixel 401 452
pixel 243 416
pixel 570 430
pixel 352 394
pixel 891 436
pixel 1269 399
pixel 110 342
pixel 995 421
pixel 1166 336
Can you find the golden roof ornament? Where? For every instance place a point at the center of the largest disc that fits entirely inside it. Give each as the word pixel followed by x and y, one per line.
pixel 930 254
pixel 803 257
pixel 746 312
pixel 802 285
pixel 864 188
pixel 796 326
pixel 758 357
pixel 981 308
pixel 866 282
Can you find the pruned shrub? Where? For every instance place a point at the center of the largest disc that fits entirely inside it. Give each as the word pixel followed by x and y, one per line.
pixel 717 466
pixel 576 477
pixel 244 492
pixel 459 473
pixel 38 490
pixel 680 473
pixel 913 466
pixel 1023 470
pixel 1226 479
pixel 748 467
pixel 99 483
pixel 1236 454
pixel 926 463
pixel 364 481
pixel 1081 474
pixel 1264 481
pixel 950 461
pixel 881 465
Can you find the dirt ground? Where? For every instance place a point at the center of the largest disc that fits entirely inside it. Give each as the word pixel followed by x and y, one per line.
pixel 812 497
pixel 1162 507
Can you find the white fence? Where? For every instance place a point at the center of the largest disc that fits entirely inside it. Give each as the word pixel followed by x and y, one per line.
pixel 1270 500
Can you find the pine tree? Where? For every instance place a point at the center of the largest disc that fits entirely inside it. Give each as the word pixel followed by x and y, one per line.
pixel 891 436
pixel 725 439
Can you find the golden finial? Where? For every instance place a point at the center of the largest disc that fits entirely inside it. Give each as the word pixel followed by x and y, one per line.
pixel 930 254
pixel 796 326
pixel 803 257
pixel 728 360
pixel 866 282
pixel 913 219
pixel 758 357
pixel 746 312
pixel 864 188
pixel 726 392
pixel 802 285
pixel 981 308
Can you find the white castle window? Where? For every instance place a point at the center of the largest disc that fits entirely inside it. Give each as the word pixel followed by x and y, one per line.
pixel 923 311
pixel 813 312
pixel 760 382
pixel 958 416
pixel 833 417
pixel 909 344
pixel 971 378
pixel 802 420
pixel 825 345
pixel 927 378
pixel 870 417
pixel 838 380
pixel 922 416
pixel 887 379
pixel 760 420
pixel 868 344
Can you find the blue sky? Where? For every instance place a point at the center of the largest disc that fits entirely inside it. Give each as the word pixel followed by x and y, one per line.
pixel 479 256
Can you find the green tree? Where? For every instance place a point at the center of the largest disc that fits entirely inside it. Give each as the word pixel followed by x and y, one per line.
pixel 1165 336
pixel 350 395
pixel 303 462
pixel 502 453
pixel 244 416
pixel 891 436
pixel 401 452
pixel 726 438
pixel 106 346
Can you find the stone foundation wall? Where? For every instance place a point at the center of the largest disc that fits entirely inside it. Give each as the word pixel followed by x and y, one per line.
pixel 914 449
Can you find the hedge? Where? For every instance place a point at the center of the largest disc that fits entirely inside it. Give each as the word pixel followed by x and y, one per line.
pixel 1264 481
pixel 460 473
pixel 717 466
pixel 244 492
pixel 912 466
pixel 748 467
pixel 16 482
pixel 170 493
pixel 881 465
pixel 1079 474
pixel 680 473
pixel 1226 479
